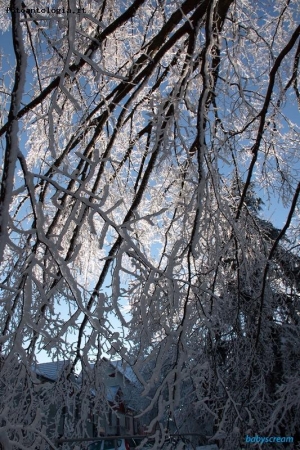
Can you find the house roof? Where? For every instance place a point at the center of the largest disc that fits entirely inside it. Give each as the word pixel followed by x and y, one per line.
pixel 124 369
pixel 119 366
pixel 51 370
pixel 112 392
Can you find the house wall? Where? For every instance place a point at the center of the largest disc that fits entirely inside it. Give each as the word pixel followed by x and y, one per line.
pixel 116 422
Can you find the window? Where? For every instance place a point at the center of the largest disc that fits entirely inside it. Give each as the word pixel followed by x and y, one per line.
pixel 110 444
pixel 127 423
pixel 110 418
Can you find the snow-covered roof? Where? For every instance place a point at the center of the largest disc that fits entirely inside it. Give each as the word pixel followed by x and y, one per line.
pixel 51 370
pixel 119 366
pixel 124 369
pixel 111 393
